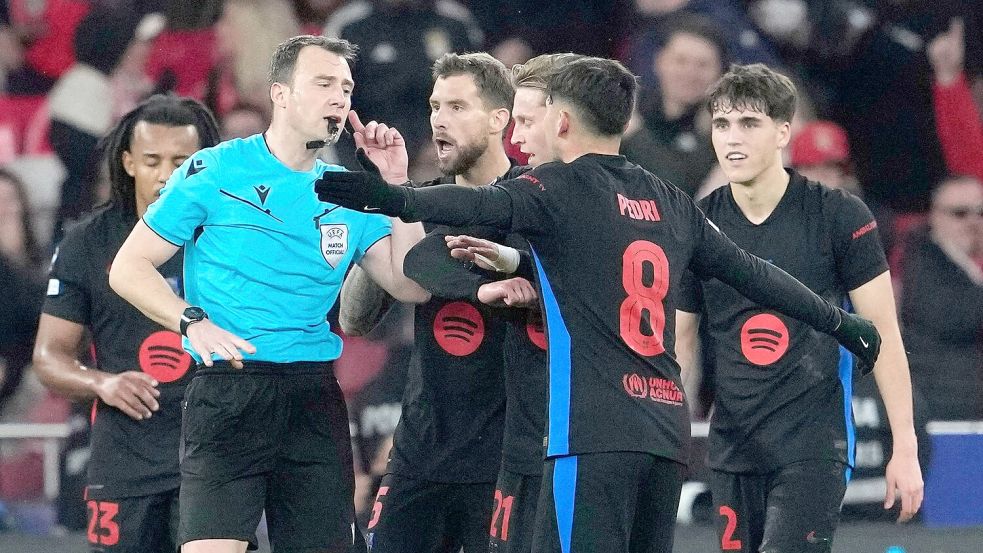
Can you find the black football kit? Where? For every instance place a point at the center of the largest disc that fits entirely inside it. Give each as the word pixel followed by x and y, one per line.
pixel 438 492
pixel 610 243
pixel 133 477
pixel 517 487
pixel 783 390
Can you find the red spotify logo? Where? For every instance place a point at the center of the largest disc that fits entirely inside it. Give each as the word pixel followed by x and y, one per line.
pixel 162 357
pixel 534 329
pixel 459 328
pixel 764 339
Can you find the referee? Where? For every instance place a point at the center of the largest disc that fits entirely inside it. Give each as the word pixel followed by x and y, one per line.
pixel 265 425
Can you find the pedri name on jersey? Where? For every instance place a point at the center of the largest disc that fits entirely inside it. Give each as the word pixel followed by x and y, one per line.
pixel 640 210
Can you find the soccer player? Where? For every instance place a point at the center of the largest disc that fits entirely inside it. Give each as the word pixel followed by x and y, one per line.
pixel 520 476
pixel 438 492
pixel 781 441
pixel 140 371
pixel 265 425
pixel 610 242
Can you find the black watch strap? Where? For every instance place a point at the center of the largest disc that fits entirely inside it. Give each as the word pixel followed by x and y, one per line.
pixel 190 316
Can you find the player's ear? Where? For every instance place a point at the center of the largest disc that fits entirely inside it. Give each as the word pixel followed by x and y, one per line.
pixel 784 134
pixel 563 123
pixel 278 93
pixel 499 119
pixel 129 165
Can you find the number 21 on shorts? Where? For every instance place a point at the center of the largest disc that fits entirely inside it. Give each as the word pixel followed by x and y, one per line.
pixel 645 277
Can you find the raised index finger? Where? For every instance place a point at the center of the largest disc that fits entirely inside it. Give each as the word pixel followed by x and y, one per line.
pixel 357 125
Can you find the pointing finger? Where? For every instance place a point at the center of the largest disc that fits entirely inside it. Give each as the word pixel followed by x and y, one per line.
pixel 357 125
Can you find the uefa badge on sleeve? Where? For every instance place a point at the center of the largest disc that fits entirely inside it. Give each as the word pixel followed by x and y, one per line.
pixel 334 243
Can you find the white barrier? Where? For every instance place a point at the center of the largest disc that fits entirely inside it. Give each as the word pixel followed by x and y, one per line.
pixel 51 436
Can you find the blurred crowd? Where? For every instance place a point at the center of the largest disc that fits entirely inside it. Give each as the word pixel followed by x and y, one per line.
pixel 892 100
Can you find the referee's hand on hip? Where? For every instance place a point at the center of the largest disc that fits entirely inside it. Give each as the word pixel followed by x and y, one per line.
pixel 207 339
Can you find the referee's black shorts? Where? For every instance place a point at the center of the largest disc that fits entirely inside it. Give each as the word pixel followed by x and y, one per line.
pixel 602 502
pixel 270 436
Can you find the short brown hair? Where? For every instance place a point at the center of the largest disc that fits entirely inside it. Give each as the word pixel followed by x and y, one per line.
pixel 490 76
pixel 602 90
pixel 754 87
pixel 285 57
pixel 535 72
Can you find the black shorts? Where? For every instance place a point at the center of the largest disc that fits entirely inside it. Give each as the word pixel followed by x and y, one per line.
pixel 792 510
pixel 418 516
pixel 602 502
pixel 514 515
pixel 274 437
pixel 146 524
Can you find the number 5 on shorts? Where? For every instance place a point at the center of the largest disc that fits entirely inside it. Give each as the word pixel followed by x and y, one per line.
pixel 377 507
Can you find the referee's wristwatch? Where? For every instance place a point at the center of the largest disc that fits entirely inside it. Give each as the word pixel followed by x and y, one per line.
pixel 191 316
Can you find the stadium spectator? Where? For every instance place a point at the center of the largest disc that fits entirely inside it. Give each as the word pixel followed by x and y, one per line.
pixel 182 56
pixel 313 14
pixel 19 280
pixel 519 29
pixel 942 302
pixel 243 120
pixel 655 18
pixel 44 30
pixel 820 152
pixel 246 34
pixel 80 106
pixel 398 41
pixel 673 137
pixel 130 83
pixel 959 125
pixel 882 84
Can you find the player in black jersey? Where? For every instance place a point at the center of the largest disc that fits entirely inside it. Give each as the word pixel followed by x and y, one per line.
pixel 140 371
pixel 781 441
pixel 520 478
pixel 610 243
pixel 438 492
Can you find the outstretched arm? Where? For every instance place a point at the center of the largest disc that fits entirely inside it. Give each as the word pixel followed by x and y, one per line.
pixel 448 204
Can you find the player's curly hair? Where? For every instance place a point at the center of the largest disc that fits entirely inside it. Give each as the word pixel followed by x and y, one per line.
pixel 160 109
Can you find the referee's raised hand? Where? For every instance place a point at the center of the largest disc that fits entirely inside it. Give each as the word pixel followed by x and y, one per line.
pixel 207 339
pixel 384 146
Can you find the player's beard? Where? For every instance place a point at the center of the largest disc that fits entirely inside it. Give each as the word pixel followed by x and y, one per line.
pixel 467 156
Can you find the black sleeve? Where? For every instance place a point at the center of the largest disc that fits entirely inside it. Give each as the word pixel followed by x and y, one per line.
pixel 763 283
pixel 526 204
pixel 856 245
pixel 690 293
pixel 68 292
pixel 430 265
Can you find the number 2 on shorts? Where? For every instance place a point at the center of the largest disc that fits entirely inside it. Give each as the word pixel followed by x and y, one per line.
pixel 727 541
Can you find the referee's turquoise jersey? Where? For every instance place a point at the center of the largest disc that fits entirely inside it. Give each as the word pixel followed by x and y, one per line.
pixel 262 255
